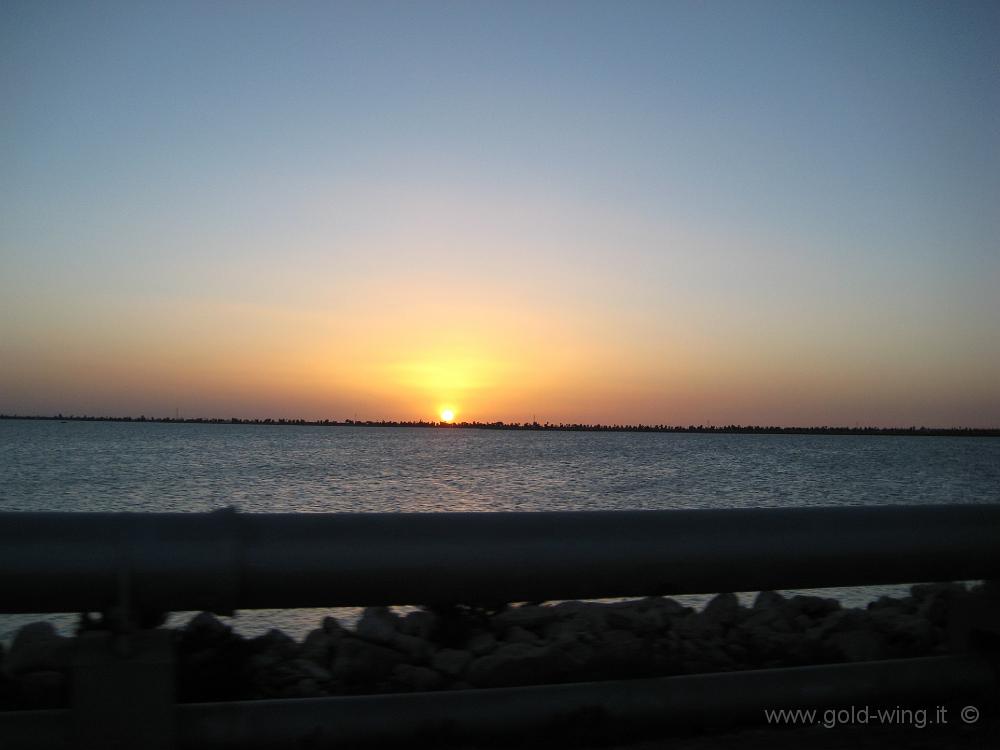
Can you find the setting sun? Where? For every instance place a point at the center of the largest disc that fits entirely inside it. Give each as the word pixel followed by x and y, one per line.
pixel 447 415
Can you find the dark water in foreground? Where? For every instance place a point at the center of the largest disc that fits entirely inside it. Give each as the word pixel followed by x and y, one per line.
pixel 96 466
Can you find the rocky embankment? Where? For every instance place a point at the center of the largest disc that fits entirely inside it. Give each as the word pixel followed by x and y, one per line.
pixel 460 647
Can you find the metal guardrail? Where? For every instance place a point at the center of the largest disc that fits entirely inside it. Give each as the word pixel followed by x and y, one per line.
pixel 223 561
pixel 58 562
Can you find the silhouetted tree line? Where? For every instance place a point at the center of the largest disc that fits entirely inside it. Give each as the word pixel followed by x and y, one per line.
pixel 731 429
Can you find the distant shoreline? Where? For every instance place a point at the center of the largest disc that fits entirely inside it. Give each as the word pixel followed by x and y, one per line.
pixel 732 429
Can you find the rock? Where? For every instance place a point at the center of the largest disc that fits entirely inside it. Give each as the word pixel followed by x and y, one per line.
pixel 456 624
pixel 573 607
pixel 814 607
pixel 697 627
pixel 381 626
pixel 420 624
pixel 767 599
pixel 517 634
pixel 859 645
pixel 274 677
pixel 934 601
pixel 636 619
pixel 274 641
pixel 590 622
pixel 668 606
pixel 516 664
pixel 908 635
pixel 802 622
pixel 333 628
pixel 417 678
pixel 417 648
pixel 923 591
pixel 378 624
pixel 723 609
pixel 37 647
pixel 989 588
pixel 318 646
pixel 359 661
pixel 763 646
pixel 312 670
pixel 207 625
pixel 885 611
pixel 737 652
pixel 711 657
pixel 621 654
pixel 935 610
pixel 837 622
pixel 263 662
pixel 905 604
pixel 530 616
pixel 481 644
pixel 576 658
pixel 451 661
pixel 770 618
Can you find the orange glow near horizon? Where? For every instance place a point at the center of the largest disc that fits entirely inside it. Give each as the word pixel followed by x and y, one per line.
pixel 386 350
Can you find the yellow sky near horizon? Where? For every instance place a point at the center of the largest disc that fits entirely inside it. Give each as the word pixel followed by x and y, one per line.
pixel 398 350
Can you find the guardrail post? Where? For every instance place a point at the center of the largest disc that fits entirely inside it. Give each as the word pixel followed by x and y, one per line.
pixel 123 691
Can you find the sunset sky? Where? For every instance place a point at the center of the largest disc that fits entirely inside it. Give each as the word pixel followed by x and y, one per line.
pixel 662 212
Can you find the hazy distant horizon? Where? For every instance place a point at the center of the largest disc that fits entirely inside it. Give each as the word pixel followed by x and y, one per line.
pixel 676 213
pixel 501 424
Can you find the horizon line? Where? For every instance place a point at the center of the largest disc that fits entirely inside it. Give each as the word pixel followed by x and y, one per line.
pixel 535 425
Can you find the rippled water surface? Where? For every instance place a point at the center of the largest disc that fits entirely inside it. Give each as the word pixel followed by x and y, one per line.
pixel 176 467
pixel 100 466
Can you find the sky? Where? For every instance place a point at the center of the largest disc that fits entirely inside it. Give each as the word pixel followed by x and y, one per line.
pixel 661 213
